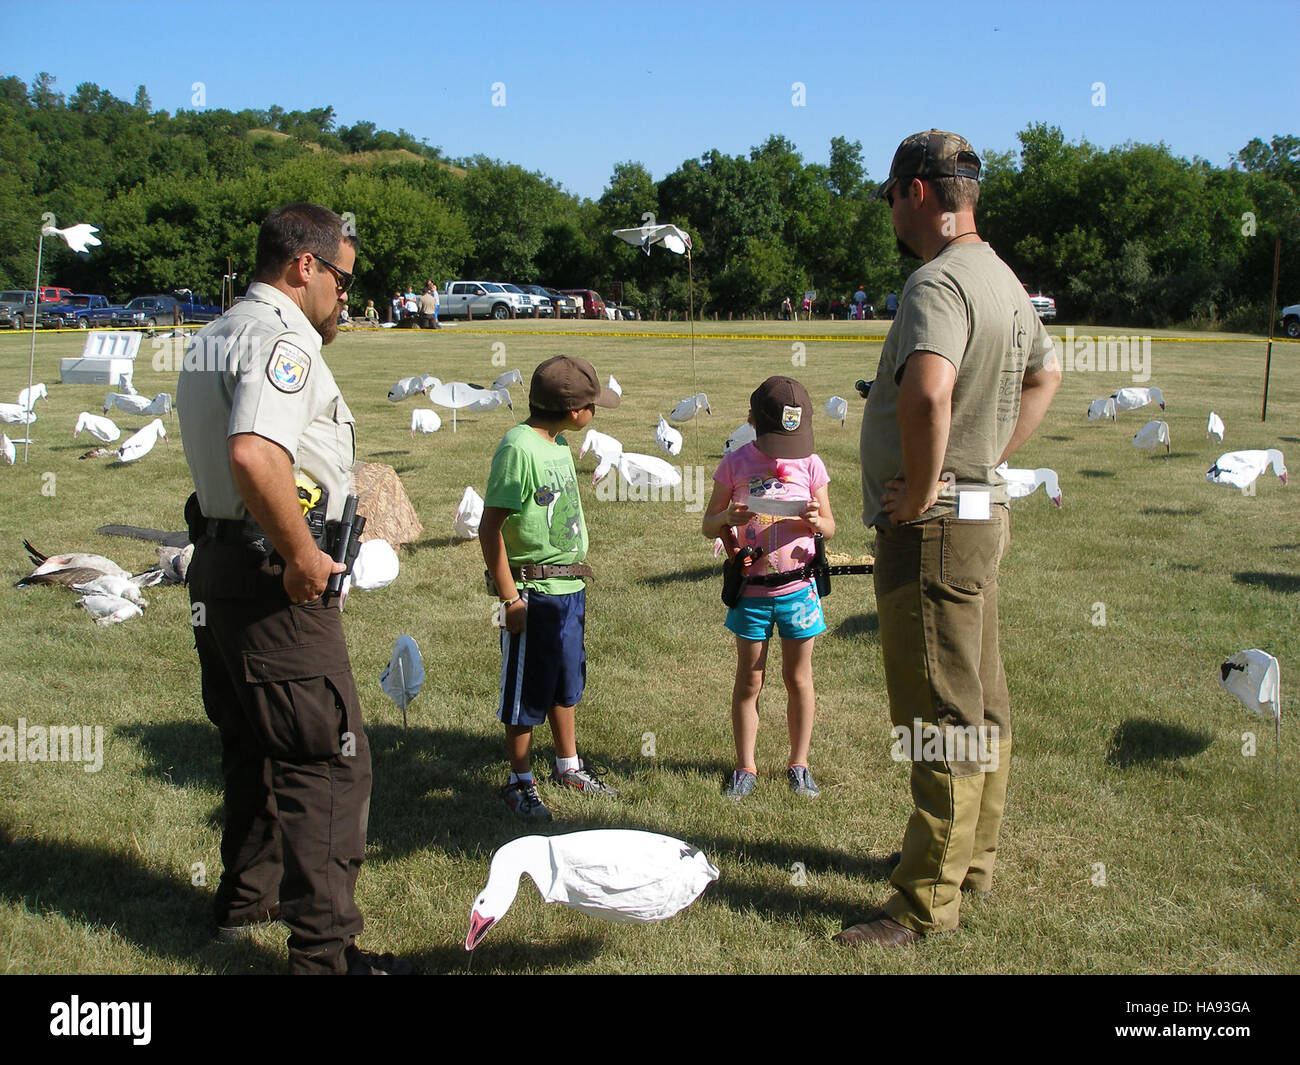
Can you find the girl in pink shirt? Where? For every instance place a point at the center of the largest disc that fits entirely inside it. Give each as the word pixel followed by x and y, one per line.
pixel 771 495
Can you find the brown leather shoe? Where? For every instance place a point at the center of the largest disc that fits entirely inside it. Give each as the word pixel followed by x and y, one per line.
pixel 879 930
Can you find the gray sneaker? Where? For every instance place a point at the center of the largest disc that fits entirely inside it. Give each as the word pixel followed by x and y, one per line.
pixel 585 779
pixel 524 802
pixel 801 782
pixel 741 784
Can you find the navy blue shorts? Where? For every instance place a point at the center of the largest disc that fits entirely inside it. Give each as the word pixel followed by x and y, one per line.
pixel 545 665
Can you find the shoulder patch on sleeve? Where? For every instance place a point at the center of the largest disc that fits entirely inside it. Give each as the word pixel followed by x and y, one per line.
pixel 288 367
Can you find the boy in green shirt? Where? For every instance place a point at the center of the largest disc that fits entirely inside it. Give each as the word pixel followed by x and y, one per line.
pixel 534 540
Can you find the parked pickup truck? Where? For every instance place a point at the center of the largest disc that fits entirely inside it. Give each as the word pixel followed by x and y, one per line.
pixel 160 310
pixel 1291 321
pixel 80 311
pixel 483 299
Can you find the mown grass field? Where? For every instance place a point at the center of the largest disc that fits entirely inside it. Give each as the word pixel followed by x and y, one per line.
pixel 1139 838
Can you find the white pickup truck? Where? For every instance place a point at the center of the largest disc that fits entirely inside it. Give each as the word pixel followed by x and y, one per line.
pixel 482 299
pixel 1291 321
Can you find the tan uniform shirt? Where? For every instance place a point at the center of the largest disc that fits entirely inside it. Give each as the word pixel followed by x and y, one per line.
pixel 259 369
pixel 967 306
pixel 428 305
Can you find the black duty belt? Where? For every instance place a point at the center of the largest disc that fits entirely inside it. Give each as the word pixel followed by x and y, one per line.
pixel 245 532
pixel 809 571
pixel 543 572
pixel 770 580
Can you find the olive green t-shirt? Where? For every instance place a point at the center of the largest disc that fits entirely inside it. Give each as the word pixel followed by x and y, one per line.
pixel 967 306
pixel 535 480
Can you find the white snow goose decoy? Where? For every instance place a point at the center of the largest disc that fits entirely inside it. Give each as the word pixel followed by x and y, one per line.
pixel 1021 483
pixel 1153 434
pixel 1214 427
pixel 16 414
pixel 407 386
pixel 1133 398
pixel 100 428
pixel 28 396
pixel 647 471
pixel 1240 469
pixel 743 435
pixel 613 874
pixel 160 404
pixel 668 438
pixel 140 444
pixel 1100 409
pixel 424 420
pixel 690 407
pixel 606 449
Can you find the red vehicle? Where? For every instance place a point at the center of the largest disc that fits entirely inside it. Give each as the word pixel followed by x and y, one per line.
pixel 592 305
pixel 55 294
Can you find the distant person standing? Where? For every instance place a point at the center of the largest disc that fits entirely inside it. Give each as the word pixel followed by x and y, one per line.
pixel 437 302
pixel 891 305
pixel 966 374
pixel 787 309
pixel 807 307
pixel 428 308
pixel 859 303
pixel 395 311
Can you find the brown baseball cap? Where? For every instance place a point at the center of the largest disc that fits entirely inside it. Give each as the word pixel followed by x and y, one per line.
pixel 782 418
pixel 929 155
pixel 564 383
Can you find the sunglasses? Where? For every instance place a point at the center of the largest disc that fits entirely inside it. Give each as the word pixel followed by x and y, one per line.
pixel 342 279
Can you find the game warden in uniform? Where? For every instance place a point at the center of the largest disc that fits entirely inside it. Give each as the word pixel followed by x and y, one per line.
pixel 258 407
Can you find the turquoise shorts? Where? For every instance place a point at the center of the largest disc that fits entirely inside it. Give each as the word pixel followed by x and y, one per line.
pixel 797 615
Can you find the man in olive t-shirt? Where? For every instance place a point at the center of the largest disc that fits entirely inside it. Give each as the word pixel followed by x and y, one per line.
pixel 966 374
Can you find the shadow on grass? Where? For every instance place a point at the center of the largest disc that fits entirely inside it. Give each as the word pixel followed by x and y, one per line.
pixel 502 955
pixel 699 573
pixel 1096 473
pixel 1286 547
pixel 1062 439
pixel 1278 582
pixel 103 889
pixel 1141 741
pixel 429 793
pixel 186 754
pixel 858 625
pixel 1173 512
pixel 384 454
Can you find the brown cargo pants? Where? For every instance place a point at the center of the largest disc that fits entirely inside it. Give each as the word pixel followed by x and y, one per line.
pixel 295 762
pixel 937 600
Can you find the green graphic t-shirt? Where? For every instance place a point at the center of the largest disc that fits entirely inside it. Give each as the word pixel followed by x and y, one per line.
pixel 535 480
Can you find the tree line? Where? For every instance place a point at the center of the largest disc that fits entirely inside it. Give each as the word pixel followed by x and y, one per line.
pixel 1131 235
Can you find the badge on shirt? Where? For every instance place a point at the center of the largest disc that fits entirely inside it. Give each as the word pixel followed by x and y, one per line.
pixel 790 418
pixel 288 367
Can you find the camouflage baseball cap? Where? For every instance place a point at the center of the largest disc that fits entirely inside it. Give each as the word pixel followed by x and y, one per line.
pixel 930 155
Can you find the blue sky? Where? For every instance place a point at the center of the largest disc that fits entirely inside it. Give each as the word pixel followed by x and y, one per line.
pixel 588 85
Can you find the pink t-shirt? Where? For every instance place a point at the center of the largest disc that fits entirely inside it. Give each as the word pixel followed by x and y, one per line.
pixel 787 542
